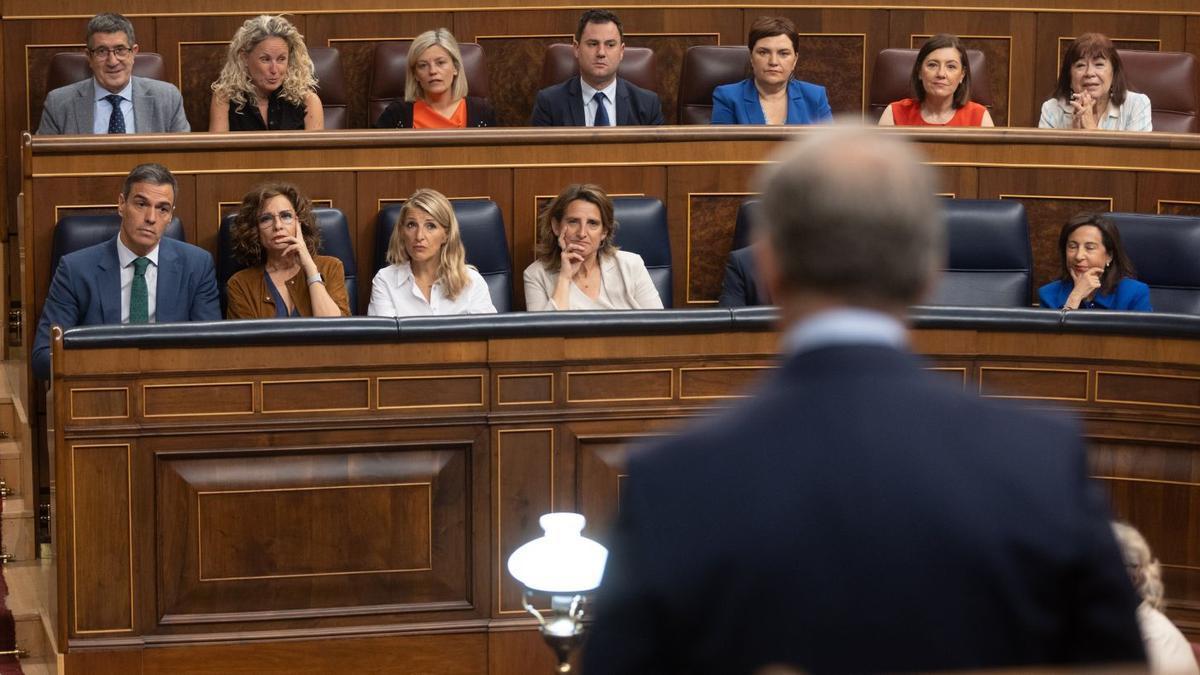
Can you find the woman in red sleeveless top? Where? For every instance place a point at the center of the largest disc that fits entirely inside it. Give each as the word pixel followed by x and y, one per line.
pixel 941 81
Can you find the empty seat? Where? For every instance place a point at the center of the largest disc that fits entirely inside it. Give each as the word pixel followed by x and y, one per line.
pixel 71 67
pixel 390 72
pixel 637 66
pixel 335 241
pixel 1164 251
pixel 706 67
pixel 642 229
pixel 1170 80
pixel 892 79
pixel 75 232
pixel 331 85
pixel 481 225
pixel 989 262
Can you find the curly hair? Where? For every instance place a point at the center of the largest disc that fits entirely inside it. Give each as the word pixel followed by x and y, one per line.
pixel 1141 564
pixel 452 267
pixel 244 233
pixel 548 251
pixel 234 82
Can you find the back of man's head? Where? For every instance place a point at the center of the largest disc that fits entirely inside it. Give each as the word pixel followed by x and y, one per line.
pixel 849 215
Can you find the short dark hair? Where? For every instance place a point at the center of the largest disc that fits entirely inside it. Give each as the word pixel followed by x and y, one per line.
pixel 110 22
pixel 1089 46
pixel 941 41
pixel 547 249
pixel 154 174
pixel 770 26
pixel 1110 236
pixel 598 16
pixel 244 233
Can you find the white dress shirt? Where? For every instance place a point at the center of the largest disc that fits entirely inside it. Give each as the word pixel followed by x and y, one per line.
pixel 104 109
pixel 126 257
pixel 1132 115
pixel 394 292
pixel 589 102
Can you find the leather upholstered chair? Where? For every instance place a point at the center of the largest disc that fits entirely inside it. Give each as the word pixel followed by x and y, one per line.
pixel 335 241
pixel 1164 249
pixel 706 67
pixel 390 72
pixel 331 85
pixel 1170 80
pixel 75 232
pixel 637 66
pixel 642 229
pixel 481 225
pixel 891 79
pixel 71 67
pixel 990 263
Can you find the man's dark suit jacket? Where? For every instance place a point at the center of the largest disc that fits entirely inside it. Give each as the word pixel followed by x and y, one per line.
pixel 741 287
pixel 861 515
pixel 562 105
pixel 86 290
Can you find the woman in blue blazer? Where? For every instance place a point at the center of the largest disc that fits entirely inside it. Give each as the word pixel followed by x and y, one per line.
pixel 771 96
pixel 1094 273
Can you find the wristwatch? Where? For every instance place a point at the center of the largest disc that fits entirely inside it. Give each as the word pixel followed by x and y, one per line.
pixel 316 279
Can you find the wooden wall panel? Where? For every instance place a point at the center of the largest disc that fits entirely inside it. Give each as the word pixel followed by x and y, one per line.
pixel 706 199
pixel 523 464
pixel 103 573
pixel 1168 193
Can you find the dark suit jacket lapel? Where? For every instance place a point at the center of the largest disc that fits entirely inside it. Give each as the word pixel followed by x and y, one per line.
pixel 85 111
pixel 575 102
pixel 624 106
pixel 166 297
pixel 109 282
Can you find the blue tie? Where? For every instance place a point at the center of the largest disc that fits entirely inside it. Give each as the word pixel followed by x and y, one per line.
pixel 116 123
pixel 601 112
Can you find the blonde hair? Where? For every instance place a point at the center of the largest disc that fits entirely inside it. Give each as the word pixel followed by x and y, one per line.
pixel 439 37
pixel 452 267
pixel 1143 567
pixel 234 82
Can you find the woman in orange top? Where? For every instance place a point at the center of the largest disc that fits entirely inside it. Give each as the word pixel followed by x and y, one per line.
pixel 941 81
pixel 435 92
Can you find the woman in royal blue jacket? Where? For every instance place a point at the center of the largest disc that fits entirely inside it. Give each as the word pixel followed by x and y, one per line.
pixel 1094 273
pixel 771 95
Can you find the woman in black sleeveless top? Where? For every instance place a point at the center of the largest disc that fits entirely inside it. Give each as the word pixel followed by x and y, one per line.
pixel 267 83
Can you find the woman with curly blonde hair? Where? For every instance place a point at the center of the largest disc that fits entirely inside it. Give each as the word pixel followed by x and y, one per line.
pixel 267 83
pixel 428 274
pixel 1168 650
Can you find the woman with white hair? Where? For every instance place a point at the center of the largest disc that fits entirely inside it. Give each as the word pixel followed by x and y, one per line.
pixel 1168 650
pixel 267 83
pixel 435 91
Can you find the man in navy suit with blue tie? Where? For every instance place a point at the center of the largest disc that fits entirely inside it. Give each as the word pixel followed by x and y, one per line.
pixel 858 514
pixel 135 277
pixel 597 98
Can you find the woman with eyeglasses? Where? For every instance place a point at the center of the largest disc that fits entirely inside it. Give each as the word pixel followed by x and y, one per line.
pixel 275 235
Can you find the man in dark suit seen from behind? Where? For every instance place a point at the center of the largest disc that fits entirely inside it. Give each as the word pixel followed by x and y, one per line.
pixel 858 513
pixel 597 97
pixel 137 276
pixel 113 100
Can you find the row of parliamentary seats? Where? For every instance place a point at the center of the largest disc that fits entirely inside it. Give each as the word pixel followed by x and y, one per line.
pixel 272 81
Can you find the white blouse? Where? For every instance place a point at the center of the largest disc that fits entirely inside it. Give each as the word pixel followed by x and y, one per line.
pixel 394 292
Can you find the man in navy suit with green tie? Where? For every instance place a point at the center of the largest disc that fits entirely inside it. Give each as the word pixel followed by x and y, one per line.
pixel 135 277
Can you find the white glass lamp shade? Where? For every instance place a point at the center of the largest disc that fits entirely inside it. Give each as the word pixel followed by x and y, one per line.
pixel 560 561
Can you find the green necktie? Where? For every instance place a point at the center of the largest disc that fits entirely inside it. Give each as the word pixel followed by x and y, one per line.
pixel 139 294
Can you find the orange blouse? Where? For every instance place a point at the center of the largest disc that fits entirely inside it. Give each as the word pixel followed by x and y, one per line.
pixel 425 117
pixel 907 113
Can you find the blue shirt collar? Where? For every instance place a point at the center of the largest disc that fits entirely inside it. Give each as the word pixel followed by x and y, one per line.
pixel 846 326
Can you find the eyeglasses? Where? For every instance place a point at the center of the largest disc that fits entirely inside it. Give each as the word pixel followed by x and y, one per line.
pixel 268 219
pixel 120 51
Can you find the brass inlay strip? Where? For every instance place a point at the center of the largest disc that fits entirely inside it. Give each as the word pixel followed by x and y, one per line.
pixel 200 385
pixel 1096 389
pixel 501 565
pixel 499 378
pixel 58 207
pixel 1156 481
pixel 670 378
pixel 1086 387
pixel 366 381
pixel 1159 204
pixel 707 369
pixel 381 380
pixel 947 369
pixel 100 417
pixel 75 544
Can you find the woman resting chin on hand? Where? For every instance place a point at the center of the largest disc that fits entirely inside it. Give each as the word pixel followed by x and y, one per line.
pixel 1094 273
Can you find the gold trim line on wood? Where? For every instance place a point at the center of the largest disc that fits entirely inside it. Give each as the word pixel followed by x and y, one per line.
pixel 75 545
pixel 128 407
pixel 501 565
pixel 515 375
pixel 200 548
pixel 380 380
pixel 669 371
pixel 145 387
pixel 949 369
pixel 703 369
pixel 1156 481
pixel 1096 389
pixel 1071 197
pixel 263 396
pixel 1159 204
pixel 687 261
pixel 1086 385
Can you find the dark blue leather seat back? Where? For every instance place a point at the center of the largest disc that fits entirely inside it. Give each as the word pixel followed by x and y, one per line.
pixel 76 232
pixel 989 262
pixel 481 225
pixel 1166 252
pixel 642 229
pixel 743 228
pixel 335 241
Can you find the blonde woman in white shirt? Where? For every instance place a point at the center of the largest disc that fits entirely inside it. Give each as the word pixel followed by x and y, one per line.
pixel 578 266
pixel 428 274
